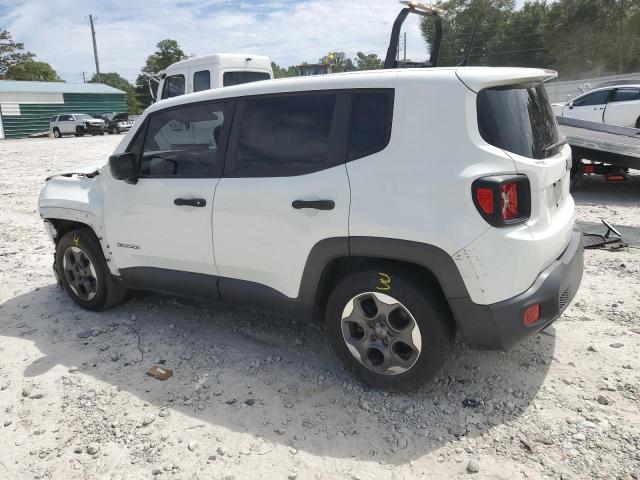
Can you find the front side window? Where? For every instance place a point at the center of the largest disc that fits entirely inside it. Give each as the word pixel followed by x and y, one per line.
pixel 185 142
pixel 173 86
pixel 201 81
pixel 518 119
pixel 595 98
pixel 370 122
pixel 284 135
pixel 626 95
pixel 237 78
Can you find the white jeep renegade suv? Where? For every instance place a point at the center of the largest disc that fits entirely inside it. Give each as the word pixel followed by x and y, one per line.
pixel 395 205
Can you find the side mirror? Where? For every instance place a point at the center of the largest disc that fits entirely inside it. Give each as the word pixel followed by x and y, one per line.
pixel 123 167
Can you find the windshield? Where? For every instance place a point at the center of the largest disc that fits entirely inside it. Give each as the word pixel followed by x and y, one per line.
pixel 84 117
pixel 121 116
pixel 518 119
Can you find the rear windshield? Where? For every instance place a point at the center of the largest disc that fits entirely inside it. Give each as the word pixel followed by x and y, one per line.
pixel 236 78
pixel 518 119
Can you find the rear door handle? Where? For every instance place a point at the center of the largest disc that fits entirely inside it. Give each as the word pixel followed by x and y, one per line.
pixel 190 202
pixel 315 204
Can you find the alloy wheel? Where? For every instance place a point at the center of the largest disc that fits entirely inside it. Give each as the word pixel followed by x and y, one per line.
pixel 80 273
pixel 381 333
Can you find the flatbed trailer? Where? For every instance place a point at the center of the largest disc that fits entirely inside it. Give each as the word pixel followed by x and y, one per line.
pixel 601 149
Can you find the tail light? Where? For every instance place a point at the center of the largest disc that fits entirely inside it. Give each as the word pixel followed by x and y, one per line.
pixel 503 200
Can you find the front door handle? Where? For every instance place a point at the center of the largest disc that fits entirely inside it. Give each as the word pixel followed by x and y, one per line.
pixel 190 202
pixel 315 204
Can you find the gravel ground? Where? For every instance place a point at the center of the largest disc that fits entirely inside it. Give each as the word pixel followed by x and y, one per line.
pixel 261 396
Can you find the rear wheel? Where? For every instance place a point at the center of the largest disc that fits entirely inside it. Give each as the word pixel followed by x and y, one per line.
pixel 388 332
pixel 56 133
pixel 83 271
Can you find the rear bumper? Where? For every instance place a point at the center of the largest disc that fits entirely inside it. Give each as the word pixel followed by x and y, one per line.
pixel 500 325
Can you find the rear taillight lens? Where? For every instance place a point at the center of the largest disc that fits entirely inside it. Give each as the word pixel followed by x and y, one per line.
pixel 503 200
pixel 509 193
pixel 484 196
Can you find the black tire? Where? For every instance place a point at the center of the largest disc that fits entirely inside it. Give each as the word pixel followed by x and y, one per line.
pixel 427 309
pixel 114 131
pixel 638 123
pixel 109 289
pixel 56 133
pixel 101 133
pixel 79 131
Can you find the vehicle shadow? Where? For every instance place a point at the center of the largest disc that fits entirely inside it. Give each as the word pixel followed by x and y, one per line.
pixel 596 190
pixel 270 376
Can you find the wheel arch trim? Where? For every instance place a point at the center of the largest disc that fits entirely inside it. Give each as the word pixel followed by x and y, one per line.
pixel 55 215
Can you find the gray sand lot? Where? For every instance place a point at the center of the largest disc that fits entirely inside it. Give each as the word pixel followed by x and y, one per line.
pixel 256 395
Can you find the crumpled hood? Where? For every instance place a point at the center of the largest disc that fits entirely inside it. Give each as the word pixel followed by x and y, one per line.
pixel 83 170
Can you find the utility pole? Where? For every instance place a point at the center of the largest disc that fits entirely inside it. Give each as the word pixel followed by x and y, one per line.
pixel 405 46
pixel 84 79
pixel 95 48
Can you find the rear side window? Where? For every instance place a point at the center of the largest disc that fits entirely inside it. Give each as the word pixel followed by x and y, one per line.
pixel 626 95
pixel 595 98
pixel 284 135
pixel 54 118
pixel 237 78
pixel 370 122
pixel 173 86
pixel 201 81
pixel 185 142
pixel 518 119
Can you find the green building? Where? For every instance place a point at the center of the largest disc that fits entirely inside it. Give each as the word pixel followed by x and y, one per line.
pixel 26 107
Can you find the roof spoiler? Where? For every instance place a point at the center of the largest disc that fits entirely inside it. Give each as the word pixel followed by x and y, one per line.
pixel 424 10
pixel 477 78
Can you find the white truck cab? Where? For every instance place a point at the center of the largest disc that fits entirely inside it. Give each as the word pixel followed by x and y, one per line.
pixel 207 72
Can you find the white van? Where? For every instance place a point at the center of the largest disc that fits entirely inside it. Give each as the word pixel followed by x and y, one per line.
pixel 207 72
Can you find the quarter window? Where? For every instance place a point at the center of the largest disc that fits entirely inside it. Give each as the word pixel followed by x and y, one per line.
pixel 185 142
pixel 595 98
pixel 626 95
pixel 201 81
pixel 284 135
pixel 173 86
pixel 370 122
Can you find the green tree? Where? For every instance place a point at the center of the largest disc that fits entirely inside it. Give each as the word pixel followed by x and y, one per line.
pixel 281 72
pixel 115 80
pixel 32 70
pixel 339 62
pixel 578 38
pixel 11 53
pixel 168 52
pixel 368 62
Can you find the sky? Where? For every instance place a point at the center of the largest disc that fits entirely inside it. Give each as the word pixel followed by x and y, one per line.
pixel 288 31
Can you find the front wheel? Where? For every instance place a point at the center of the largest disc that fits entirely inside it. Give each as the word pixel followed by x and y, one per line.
pixel 388 332
pixel 83 272
pixel 79 131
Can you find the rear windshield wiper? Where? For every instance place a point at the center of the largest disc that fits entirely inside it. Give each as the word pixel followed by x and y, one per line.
pixel 561 141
